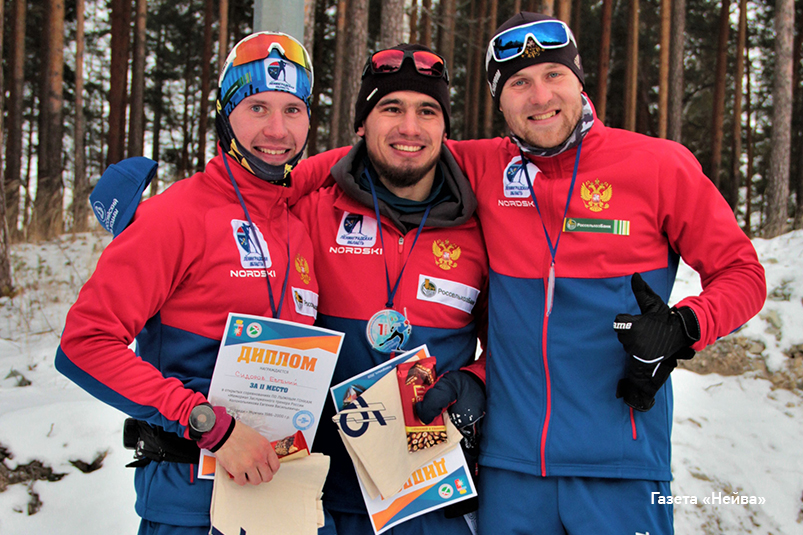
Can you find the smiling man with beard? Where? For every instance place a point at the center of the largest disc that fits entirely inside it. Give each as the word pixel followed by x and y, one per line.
pixel 400 248
pixel 582 222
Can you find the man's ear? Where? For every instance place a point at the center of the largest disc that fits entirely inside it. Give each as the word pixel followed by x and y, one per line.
pixel 361 130
pixel 445 136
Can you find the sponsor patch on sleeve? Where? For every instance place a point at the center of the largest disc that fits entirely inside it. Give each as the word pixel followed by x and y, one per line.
pixel 306 302
pixel 450 293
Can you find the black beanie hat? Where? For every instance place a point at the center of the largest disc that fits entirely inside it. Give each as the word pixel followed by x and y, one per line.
pixel 376 86
pixel 498 72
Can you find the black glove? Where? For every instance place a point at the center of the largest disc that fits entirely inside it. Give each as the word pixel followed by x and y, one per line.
pixel 463 394
pixel 656 339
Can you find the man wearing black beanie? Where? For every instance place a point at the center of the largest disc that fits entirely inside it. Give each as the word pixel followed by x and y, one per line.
pixel 401 250
pixel 585 226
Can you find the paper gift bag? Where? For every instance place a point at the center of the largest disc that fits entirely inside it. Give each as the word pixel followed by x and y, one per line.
pixel 373 431
pixel 289 503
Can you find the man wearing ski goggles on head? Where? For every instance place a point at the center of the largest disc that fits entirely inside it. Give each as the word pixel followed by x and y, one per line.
pixel 399 222
pixel 220 241
pixel 585 226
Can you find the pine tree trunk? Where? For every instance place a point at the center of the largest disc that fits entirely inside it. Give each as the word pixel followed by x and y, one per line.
pixel 80 201
pixel 719 94
pixel 186 130
pixel 317 59
pixel 631 72
pixel 576 19
pixel 778 180
pixel 310 12
pixel 121 27
pixel 6 282
pixel 735 180
pixel 158 104
pixel 206 74
pixel 49 188
pixel 798 98
pixel 392 30
pixel 748 179
pixel 14 131
pixel 604 60
pixel 414 21
pixel 663 71
pixel 676 90
pixel 339 75
pixel 426 23
pixel 357 45
pixel 488 102
pixel 446 33
pixel 564 11
pixel 547 7
pixel 223 34
pixel 136 127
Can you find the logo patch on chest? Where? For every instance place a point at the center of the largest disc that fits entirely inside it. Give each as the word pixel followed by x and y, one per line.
pixel 450 293
pixel 249 242
pixel 356 230
pixel 514 179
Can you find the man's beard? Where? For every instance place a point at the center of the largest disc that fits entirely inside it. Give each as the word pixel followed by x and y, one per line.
pixel 402 177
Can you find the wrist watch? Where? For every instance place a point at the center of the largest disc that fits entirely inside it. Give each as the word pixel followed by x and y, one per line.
pixel 202 420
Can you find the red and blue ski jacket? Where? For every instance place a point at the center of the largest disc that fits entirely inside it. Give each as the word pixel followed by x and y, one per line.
pixel 170 280
pixel 441 292
pixel 638 205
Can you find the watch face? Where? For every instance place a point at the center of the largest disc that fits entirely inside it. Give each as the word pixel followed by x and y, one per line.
pixel 202 418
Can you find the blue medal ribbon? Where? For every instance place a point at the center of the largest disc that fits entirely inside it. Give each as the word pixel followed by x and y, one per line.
pixel 277 311
pixel 553 249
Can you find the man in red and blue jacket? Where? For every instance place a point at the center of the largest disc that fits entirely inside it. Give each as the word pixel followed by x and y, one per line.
pixel 585 226
pixel 402 254
pixel 220 241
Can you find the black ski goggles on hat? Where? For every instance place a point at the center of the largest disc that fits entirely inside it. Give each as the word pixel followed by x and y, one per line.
pixel 391 60
pixel 548 34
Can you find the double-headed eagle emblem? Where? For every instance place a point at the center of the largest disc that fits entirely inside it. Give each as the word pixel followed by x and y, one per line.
pixel 596 195
pixel 446 254
pixel 303 268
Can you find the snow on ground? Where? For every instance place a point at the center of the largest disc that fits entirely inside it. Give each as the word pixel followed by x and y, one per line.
pixel 733 436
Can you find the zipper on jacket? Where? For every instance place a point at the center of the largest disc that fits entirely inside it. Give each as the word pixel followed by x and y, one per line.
pixel 401 244
pixel 633 424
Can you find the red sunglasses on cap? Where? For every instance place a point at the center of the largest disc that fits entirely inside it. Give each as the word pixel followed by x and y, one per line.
pixel 391 60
